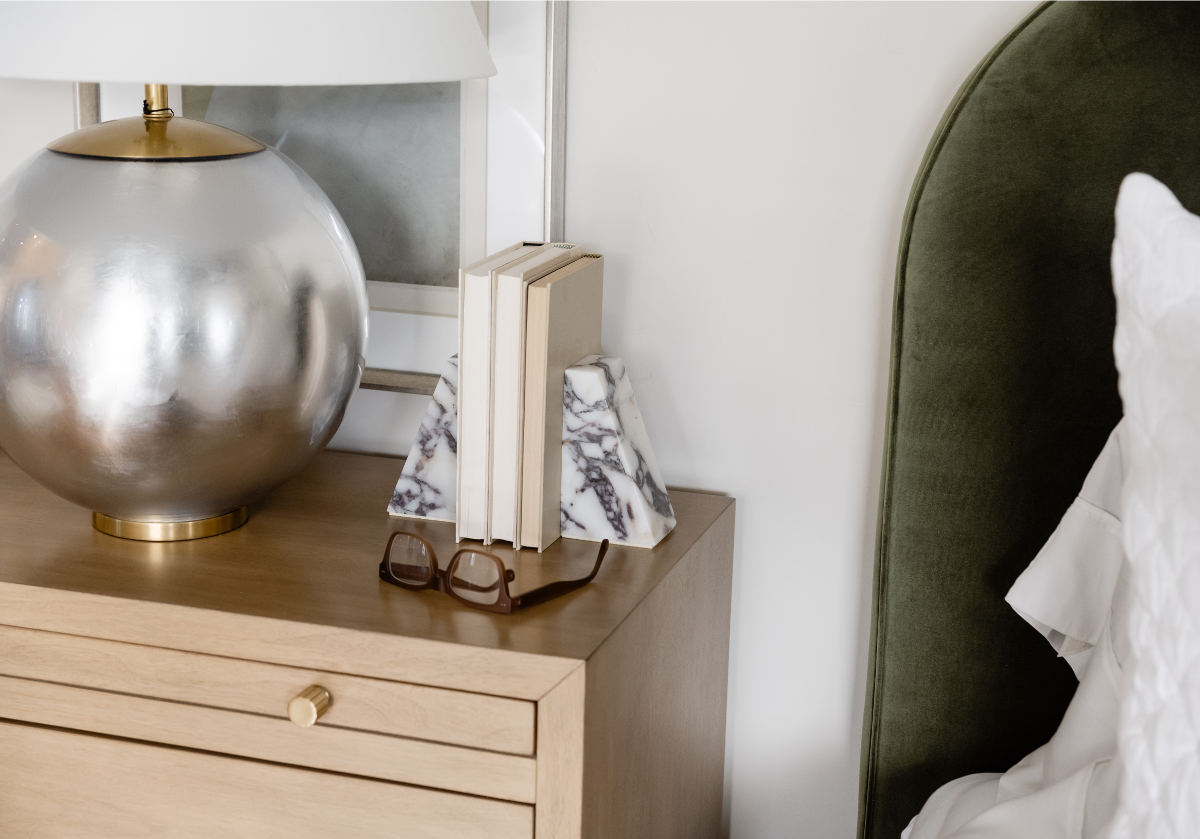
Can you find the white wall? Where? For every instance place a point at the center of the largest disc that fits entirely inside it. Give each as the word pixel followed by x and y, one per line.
pixel 744 167
pixel 34 113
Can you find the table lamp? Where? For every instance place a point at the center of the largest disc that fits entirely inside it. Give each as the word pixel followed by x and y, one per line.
pixel 182 310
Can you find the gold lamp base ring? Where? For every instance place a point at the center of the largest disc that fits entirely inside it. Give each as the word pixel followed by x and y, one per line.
pixel 169 531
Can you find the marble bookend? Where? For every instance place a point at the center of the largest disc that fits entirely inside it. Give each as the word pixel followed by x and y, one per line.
pixel 427 481
pixel 611 484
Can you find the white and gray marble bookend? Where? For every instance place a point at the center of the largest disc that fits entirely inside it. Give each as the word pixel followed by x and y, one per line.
pixel 611 484
pixel 428 479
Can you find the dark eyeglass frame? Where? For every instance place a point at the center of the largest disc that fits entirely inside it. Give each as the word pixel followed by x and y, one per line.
pixel 505 603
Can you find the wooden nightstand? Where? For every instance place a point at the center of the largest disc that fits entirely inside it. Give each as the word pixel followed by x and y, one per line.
pixel 144 687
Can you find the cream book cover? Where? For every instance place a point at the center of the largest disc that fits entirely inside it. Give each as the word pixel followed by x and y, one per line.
pixel 508 384
pixel 475 314
pixel 563 324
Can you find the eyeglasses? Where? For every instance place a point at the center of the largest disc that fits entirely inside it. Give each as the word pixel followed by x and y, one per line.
pixel 474 577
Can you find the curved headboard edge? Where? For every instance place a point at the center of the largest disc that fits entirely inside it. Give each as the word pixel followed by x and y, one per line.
pixel 874 666
pixel 1002 386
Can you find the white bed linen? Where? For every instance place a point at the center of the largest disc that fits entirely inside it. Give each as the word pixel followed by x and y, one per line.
pixel 1072 593
pixel 1156 274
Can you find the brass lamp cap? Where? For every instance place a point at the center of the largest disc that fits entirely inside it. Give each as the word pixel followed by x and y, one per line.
pixel 155 138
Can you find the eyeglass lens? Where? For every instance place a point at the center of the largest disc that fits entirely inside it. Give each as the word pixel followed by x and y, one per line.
pixel 476 577
pixel 408 560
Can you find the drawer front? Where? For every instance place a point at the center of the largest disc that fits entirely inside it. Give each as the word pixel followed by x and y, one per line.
pixel 508 777
pixel 62 785
pixel 362 704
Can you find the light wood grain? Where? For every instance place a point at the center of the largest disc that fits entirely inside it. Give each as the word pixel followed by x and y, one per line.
pixel 398 381
pixel 398 708
pixel 416 660
pixel 628 674
pixel 115 788
pixel 560 759
pixel 299 584
pixel 248 735
pixel 655 736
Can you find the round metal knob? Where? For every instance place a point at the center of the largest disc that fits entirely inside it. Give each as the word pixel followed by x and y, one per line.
pixel 307 706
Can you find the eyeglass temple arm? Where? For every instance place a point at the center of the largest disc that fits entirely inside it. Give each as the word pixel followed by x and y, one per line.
pixel 552 590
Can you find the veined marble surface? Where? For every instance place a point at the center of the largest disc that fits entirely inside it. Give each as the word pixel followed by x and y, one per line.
pixel 427 482
pixel 612 487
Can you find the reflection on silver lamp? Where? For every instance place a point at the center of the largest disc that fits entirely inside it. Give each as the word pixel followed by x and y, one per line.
pixel 182 310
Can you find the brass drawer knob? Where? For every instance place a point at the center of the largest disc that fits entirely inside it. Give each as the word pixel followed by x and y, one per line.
pixel 307 706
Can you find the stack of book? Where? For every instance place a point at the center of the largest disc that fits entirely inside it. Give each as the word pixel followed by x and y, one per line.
pixel 526 314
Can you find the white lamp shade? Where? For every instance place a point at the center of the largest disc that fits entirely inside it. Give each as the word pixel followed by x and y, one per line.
pixel 243 43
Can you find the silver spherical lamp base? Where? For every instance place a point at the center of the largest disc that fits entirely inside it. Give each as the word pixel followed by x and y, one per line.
pixel 178 334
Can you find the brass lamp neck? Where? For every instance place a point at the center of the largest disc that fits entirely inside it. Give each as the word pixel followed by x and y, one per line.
pixel 154 106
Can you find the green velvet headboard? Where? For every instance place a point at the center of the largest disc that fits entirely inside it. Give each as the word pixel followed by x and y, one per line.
pixel 1003 387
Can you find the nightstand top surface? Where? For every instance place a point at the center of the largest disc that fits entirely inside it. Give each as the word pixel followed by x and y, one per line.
pixel 309 555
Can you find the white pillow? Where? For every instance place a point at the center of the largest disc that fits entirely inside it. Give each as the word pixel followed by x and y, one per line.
pixel 1156 274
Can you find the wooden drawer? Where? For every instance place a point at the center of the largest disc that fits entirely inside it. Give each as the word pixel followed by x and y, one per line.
pixel 407 710
pixel 374 728
pixel 63 785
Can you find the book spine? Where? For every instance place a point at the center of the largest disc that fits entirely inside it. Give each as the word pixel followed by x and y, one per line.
pixel 508 386
pixel 474 397
pixel 534 426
